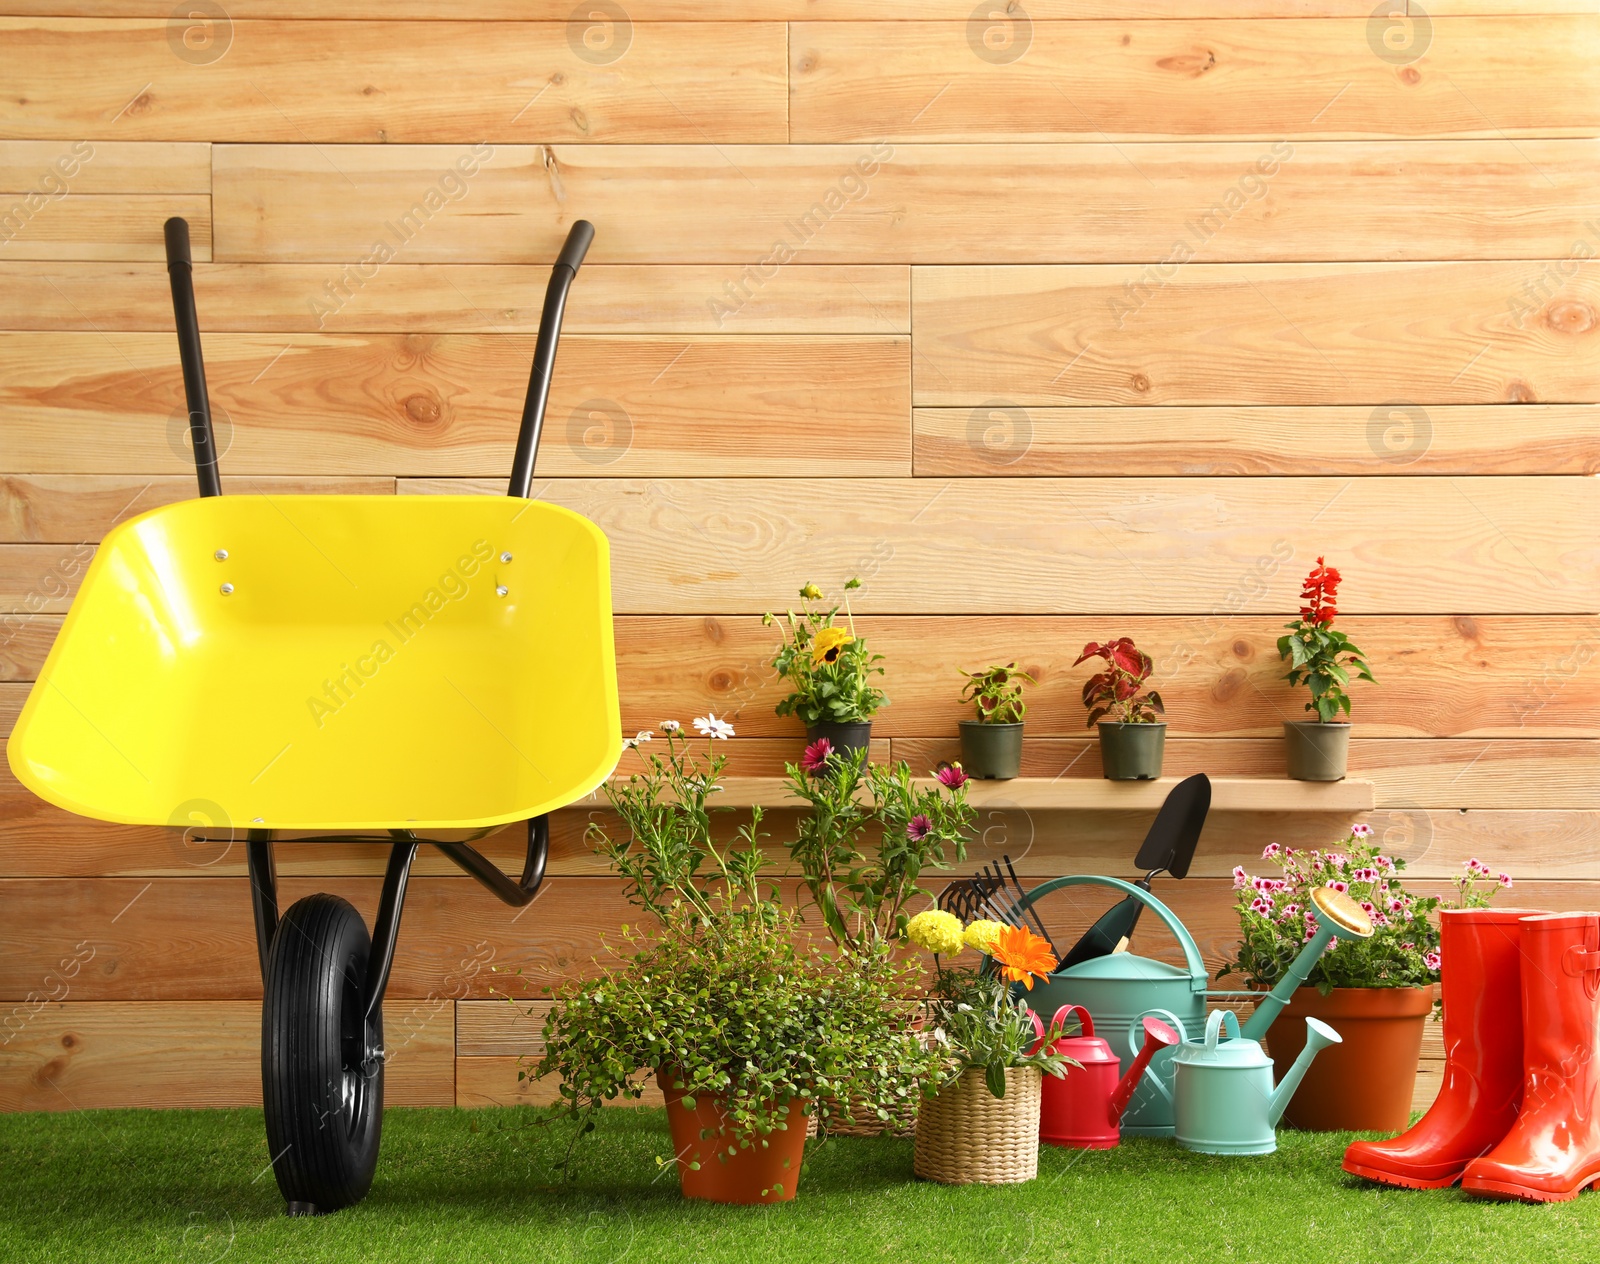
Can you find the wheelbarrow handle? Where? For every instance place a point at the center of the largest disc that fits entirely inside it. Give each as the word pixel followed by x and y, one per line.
pixel 180 272
pixel 544 355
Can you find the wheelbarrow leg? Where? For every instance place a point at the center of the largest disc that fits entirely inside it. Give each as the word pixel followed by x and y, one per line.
pixel 322 1032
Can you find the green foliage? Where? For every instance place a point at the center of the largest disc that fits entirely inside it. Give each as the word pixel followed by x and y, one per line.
pixel 1118 691
pixel 861 896
pixel 996 693
pixel 724 988
pixel 1321 658
pixel 974 1020
pixel 830 678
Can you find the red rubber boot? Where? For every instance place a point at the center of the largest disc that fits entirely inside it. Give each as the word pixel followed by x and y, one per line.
pixel 1482 983
pixel 1553 1151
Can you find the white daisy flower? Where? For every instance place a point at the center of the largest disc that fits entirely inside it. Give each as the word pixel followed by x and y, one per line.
pixel 710 726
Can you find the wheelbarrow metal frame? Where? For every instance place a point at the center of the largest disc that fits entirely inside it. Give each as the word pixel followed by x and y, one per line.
pixel 516 892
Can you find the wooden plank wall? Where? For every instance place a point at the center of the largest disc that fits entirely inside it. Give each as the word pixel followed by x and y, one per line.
pixel 1102 320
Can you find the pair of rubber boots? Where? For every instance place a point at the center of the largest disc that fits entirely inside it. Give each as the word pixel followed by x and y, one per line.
pixel 1519 1113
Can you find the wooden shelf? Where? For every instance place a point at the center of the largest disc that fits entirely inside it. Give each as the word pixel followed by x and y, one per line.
pixel 1086 794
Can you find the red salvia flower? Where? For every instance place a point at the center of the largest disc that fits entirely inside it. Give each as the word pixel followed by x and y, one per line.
pixel 1319 594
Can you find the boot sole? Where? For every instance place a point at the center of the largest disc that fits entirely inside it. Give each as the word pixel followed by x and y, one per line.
pixel 1383 1177
pixel 1522 1193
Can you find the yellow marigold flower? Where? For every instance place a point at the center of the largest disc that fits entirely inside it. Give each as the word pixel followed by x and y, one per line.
pixel 981 935
pixel 827 644
pixel 936 930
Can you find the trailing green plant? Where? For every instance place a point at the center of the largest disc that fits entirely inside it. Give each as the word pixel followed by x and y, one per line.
pixel 721 985
pixel 1118 691
pixel 975 1018
pixel 996 693
pixel 828 666
pixel 1319 655
pixel 869 836
pixel 1277 918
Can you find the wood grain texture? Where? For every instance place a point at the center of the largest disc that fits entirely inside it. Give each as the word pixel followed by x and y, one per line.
pixel 758 10
pixel 1387 440
pixel 177 1054
pixel 107 227
pixel 1439 676
pixel 191 939
pixel 1130 80
pixel 1032 546
pixel 500 1028
pixel 466 83
pixel 499 1082
pixel 465 298
pixel 1474 333
pixel 429 404
pixel 935 204
pixel 61 167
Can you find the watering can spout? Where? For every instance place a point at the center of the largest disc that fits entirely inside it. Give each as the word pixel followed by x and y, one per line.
pixel 1157 1036
pixel 1337 917
pixel 1318 1037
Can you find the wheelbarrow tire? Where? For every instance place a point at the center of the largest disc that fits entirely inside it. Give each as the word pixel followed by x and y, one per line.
pixel 324 1110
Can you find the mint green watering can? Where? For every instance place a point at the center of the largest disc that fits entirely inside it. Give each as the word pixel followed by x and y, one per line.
pixel 1224 1099
pixel 1120 989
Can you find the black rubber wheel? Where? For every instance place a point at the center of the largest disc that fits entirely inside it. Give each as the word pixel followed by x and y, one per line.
pixel 321 1086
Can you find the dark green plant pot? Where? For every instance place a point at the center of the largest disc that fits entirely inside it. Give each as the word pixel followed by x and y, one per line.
pixel 1132 752
pixel 991 751
pixel 1317 752
pixel 844 738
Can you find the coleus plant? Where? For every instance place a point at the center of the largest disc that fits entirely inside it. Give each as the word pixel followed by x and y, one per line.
pixel 1319 655
pixel 1118 691
pixel 996 692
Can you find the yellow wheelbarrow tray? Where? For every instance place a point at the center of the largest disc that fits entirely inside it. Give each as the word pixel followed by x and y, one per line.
pixel 400 665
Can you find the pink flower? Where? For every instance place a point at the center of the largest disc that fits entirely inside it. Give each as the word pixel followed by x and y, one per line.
pixel 1361 831
pixel 1273 851
pixel 1336 858
pixel 951 777
pixel 1367 908
pixel 1397 905
pixel 1289 910
pixel 1240 878
pixel 1477 868
pixel 816 755
pixel 1364 875
pixel 1261 904
pixel 1431 960
pixel 1338 886
pixel 1311 932
pixel 1383 862
pixel 1505 881
pixel 1378 919
pixel 918 827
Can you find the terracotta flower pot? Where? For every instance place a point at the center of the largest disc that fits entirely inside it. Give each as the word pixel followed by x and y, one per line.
pixel 754 1174
pixel 1364 1084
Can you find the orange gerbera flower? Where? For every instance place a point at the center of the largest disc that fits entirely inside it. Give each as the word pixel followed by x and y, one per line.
pixel 1022 955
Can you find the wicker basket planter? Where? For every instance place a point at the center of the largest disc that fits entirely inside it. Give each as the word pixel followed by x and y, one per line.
pixel 902 1121
pixel 967 1136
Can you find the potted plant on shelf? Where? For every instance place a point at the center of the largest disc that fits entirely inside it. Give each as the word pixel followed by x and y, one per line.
pixel 1374 992
pixel 979 1120
pixel 746 1023
pixel 1132 739
pixel 1321 658
pixel 991 745
pixel 869 835
pixel 829 671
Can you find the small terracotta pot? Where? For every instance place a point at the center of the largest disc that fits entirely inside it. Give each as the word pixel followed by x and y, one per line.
pixel 754 1174
pixel 844 738
pixel 1364 1084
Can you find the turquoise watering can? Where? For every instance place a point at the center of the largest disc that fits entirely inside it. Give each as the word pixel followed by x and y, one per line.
pixel 1224 1099
pixel 1120 989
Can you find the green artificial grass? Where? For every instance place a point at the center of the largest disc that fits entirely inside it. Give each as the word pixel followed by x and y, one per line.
pixel 194 1187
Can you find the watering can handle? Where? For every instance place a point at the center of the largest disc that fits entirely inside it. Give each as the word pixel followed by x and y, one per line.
pixel 1085 1023
pixel 1038 1033
pixel 1136 1042
pixel 1215 1023
pixel 1191 950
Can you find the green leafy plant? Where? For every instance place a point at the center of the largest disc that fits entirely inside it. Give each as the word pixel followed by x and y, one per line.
pixel 1118 691
pixel 722 986
pixel 869 836
pixel 828 666
pixel 1277 918
pixel 996 693
pixel 1319 656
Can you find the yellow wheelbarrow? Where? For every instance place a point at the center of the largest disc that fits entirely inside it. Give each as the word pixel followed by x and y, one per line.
pixel 418 669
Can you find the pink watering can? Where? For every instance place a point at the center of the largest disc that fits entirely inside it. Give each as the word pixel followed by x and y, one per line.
pixel 1084 1110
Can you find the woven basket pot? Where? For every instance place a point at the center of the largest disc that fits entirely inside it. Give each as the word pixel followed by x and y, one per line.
pixel 967 1136
pixel 902 1121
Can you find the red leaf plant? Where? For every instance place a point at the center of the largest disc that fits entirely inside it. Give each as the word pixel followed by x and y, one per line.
pixel 1118 690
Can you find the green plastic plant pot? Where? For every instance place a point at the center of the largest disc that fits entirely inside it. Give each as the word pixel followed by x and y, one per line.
pixel 1132 752
pixel 1316 751
pixel 991 751
pixel 845 738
